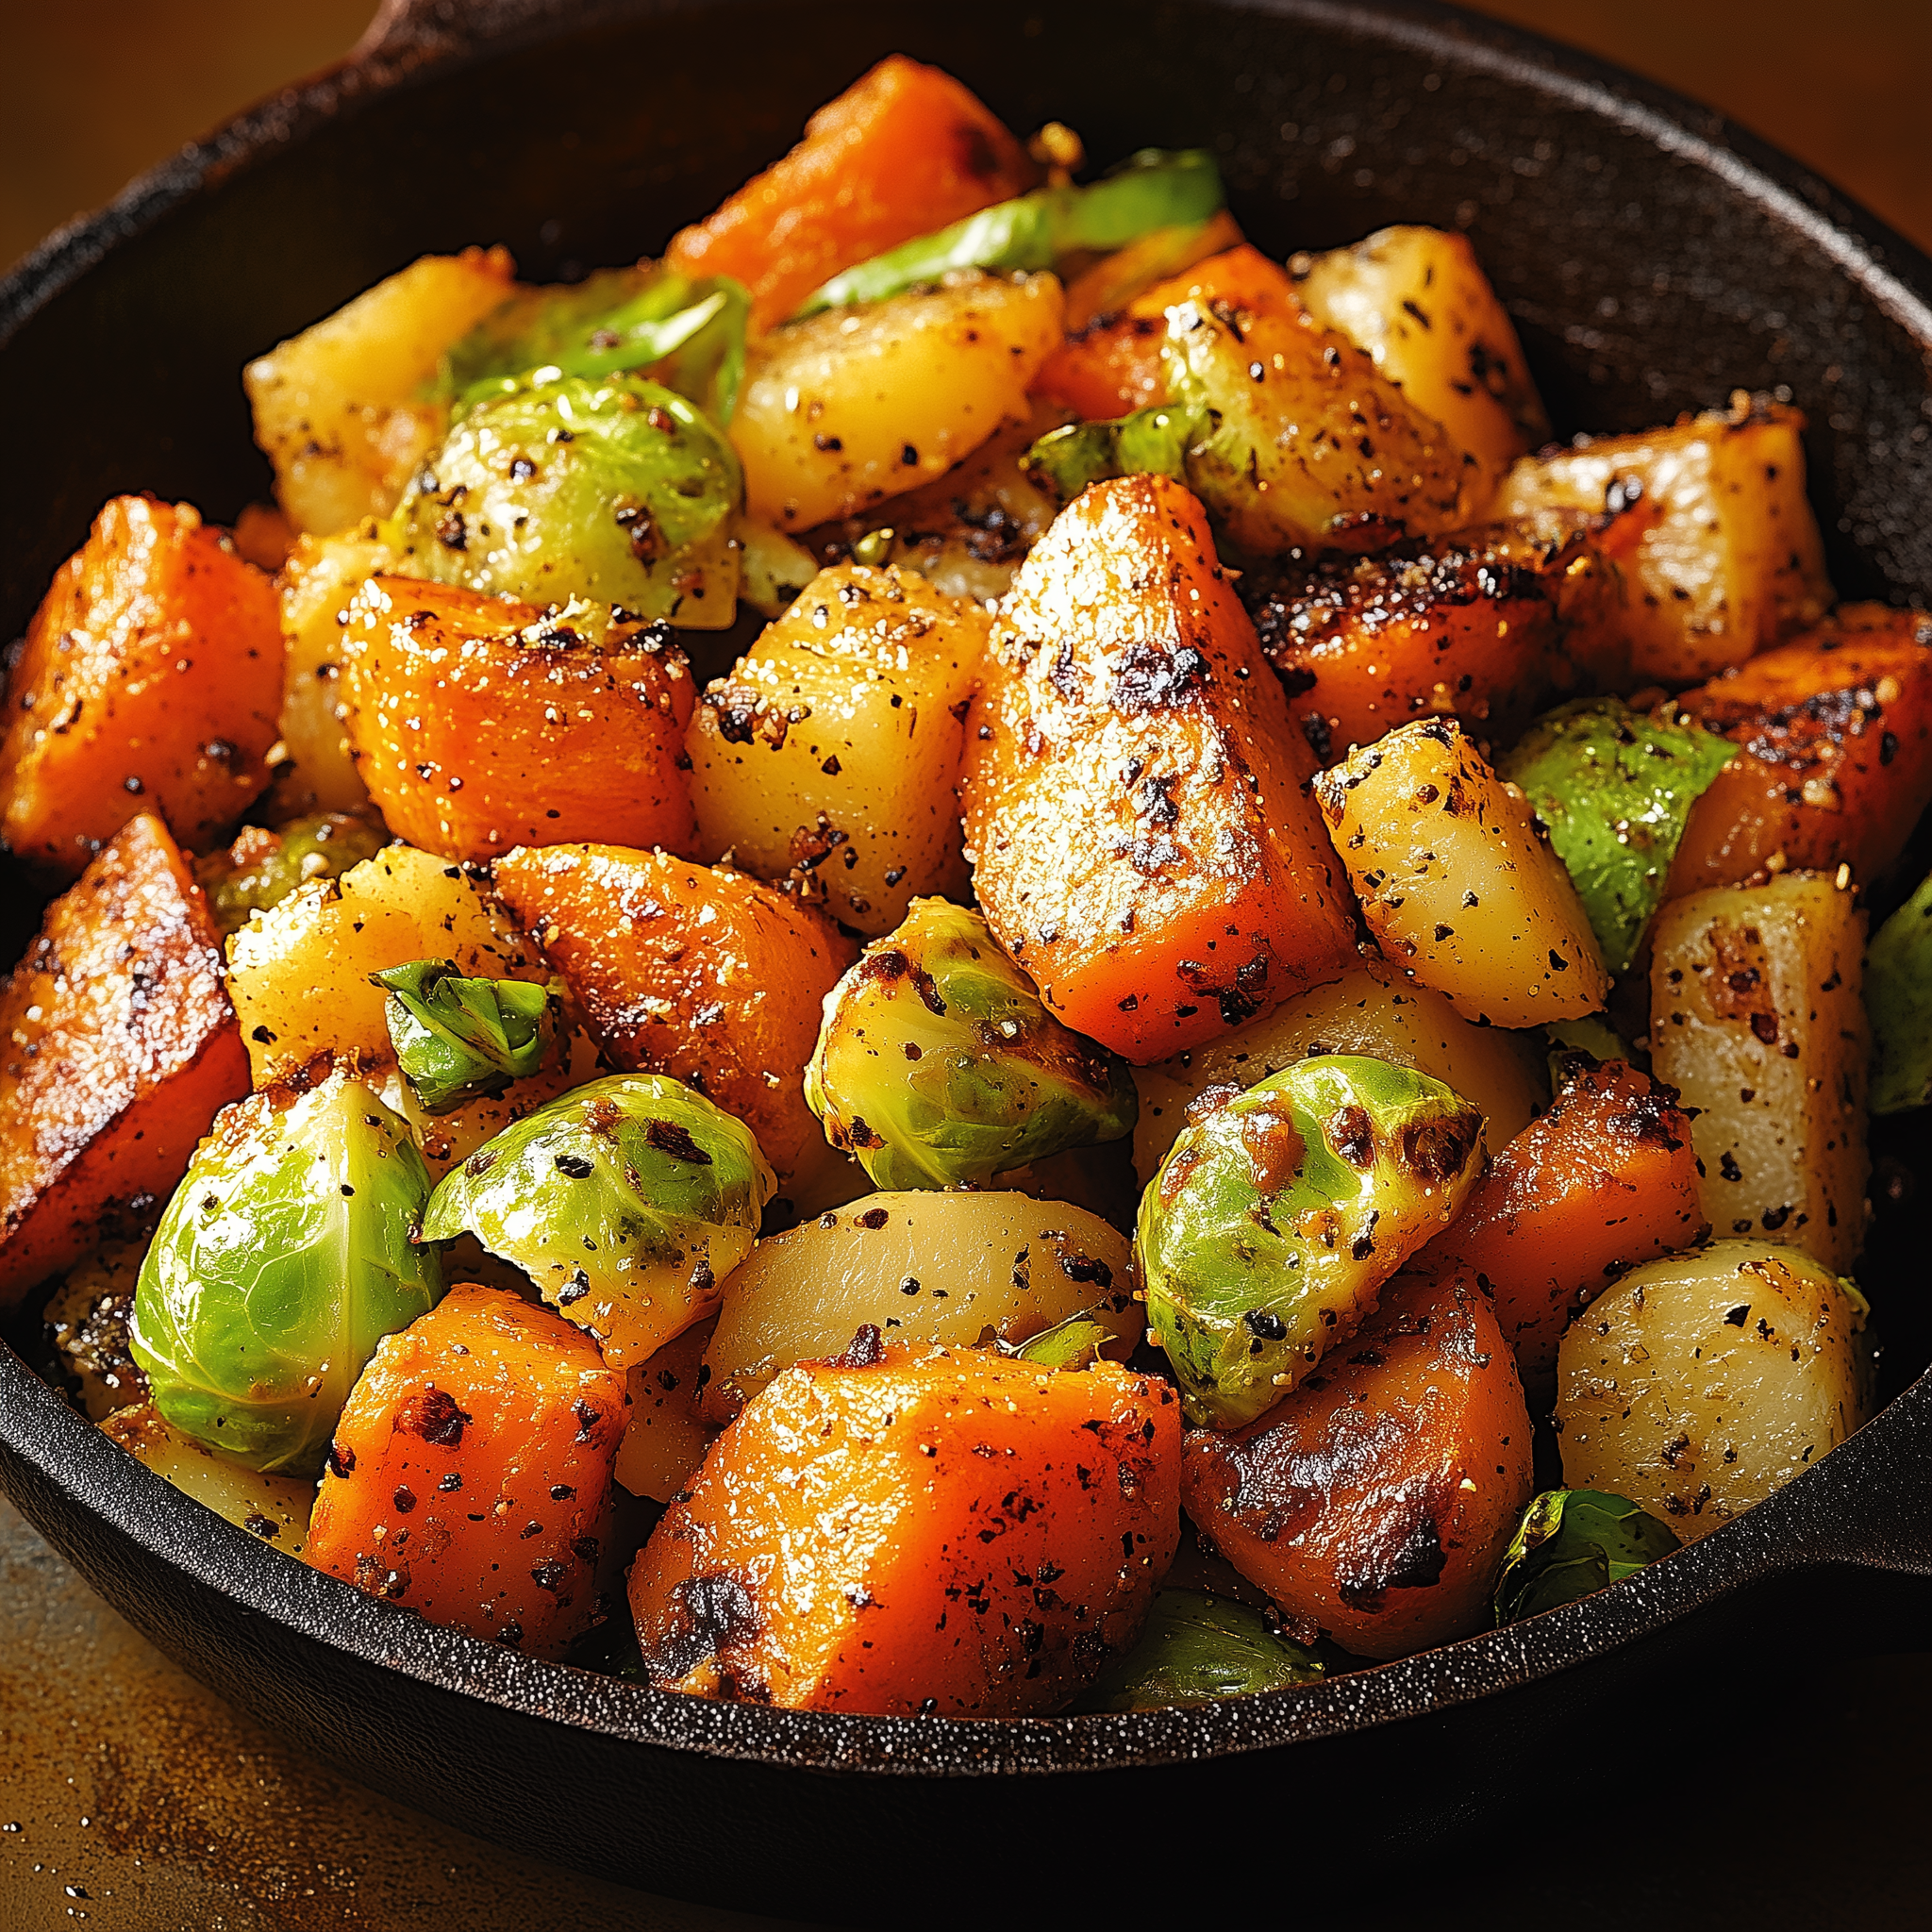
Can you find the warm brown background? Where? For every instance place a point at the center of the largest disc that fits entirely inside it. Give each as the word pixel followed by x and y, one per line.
pixel 93 90
pixel 132 1798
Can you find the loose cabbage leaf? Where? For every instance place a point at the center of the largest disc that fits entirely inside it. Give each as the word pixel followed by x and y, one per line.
pixel 1153 189
pixel 689 336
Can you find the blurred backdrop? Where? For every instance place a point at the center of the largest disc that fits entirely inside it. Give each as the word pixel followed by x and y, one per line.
pixel 94 90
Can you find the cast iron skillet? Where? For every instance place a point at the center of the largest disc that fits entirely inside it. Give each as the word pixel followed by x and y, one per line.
pixel 1654 259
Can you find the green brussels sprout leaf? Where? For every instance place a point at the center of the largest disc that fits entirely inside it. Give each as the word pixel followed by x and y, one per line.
pixel 285 1255
pixel 1279 1213
pixel 1615 788
pixel 1198 1649
pixel 1572 1543
pixel 617 490
pixel 1898 996
pixel 1076 1342
pixel 689 336
pixel 272 865
pixel 627 1202
pixel 937 1063
pixel 1153 189
pixel 456 1039
pixel 1153 442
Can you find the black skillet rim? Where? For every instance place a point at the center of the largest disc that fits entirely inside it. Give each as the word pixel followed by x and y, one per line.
pixel 1813 1522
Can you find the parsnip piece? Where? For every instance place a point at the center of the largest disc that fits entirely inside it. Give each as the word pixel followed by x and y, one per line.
pixel 1730 561
pixel 275 1508
pixel 857 405
pixel 1757 1018
pixel 1417 301
pixel 834 745
pixel 336 408
pixel 1701 1383
pixel 928 1268
pixel 1458 885
pixel 1371 1010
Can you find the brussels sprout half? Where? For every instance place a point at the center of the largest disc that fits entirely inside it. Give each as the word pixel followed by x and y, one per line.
pixel 458 1039
pixel 1898 996
pixel 1279 1213
pixel 689 336
pixel 1615 788
pixel 937 1062
pixel 1572 1543
pixel 261 869
pixel 285 1255
pixel 1198 1649
pixel 627 1202
pixel 1153 189
pixel 556 486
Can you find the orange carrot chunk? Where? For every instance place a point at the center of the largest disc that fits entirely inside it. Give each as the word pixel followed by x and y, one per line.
pixel 1607 1178
pixel 150 681
pixel 1376 1501
pixel 967 1535
pixel 1835 765
pixel 902 152
pixel 1143 840
pixel 118 1047
pixel 470 1471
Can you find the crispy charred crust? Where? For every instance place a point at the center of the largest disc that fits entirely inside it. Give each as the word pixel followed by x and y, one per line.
pixel 1649 1111
pixel 1435 613
pixel 120 1047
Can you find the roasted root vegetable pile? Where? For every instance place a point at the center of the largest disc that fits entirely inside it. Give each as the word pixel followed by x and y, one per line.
pixel 968 954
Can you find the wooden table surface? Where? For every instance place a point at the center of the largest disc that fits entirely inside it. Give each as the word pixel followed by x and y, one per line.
pixel 130 1797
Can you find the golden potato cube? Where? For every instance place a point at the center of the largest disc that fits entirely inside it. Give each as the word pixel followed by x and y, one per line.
pixel 1457 882
pixel 317 585
pixel 833 748
pixel 937 1270
pixel 275 1508
pixel 1729 558
pixel 1417 301
pixel 857 405
pixel 299 973
pixel 1702 1382
pixel 337 408
pixel 1757 1019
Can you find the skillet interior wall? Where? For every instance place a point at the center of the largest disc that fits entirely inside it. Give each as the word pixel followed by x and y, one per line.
pixel 1634 303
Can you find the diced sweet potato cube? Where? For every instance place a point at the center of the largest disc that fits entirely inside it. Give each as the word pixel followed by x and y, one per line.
pixel 967 1535
pixel 693 971
pixel 1608 1178
pixel 118 1047
pixel 150 681
pixel 1377 1500
pixel 470 1468
pixel 1835 765
pixel 902 152
pixel 1143 840
pixel 480 725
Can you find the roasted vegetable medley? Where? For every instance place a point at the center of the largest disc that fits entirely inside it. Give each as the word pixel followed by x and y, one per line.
pixel 969 953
